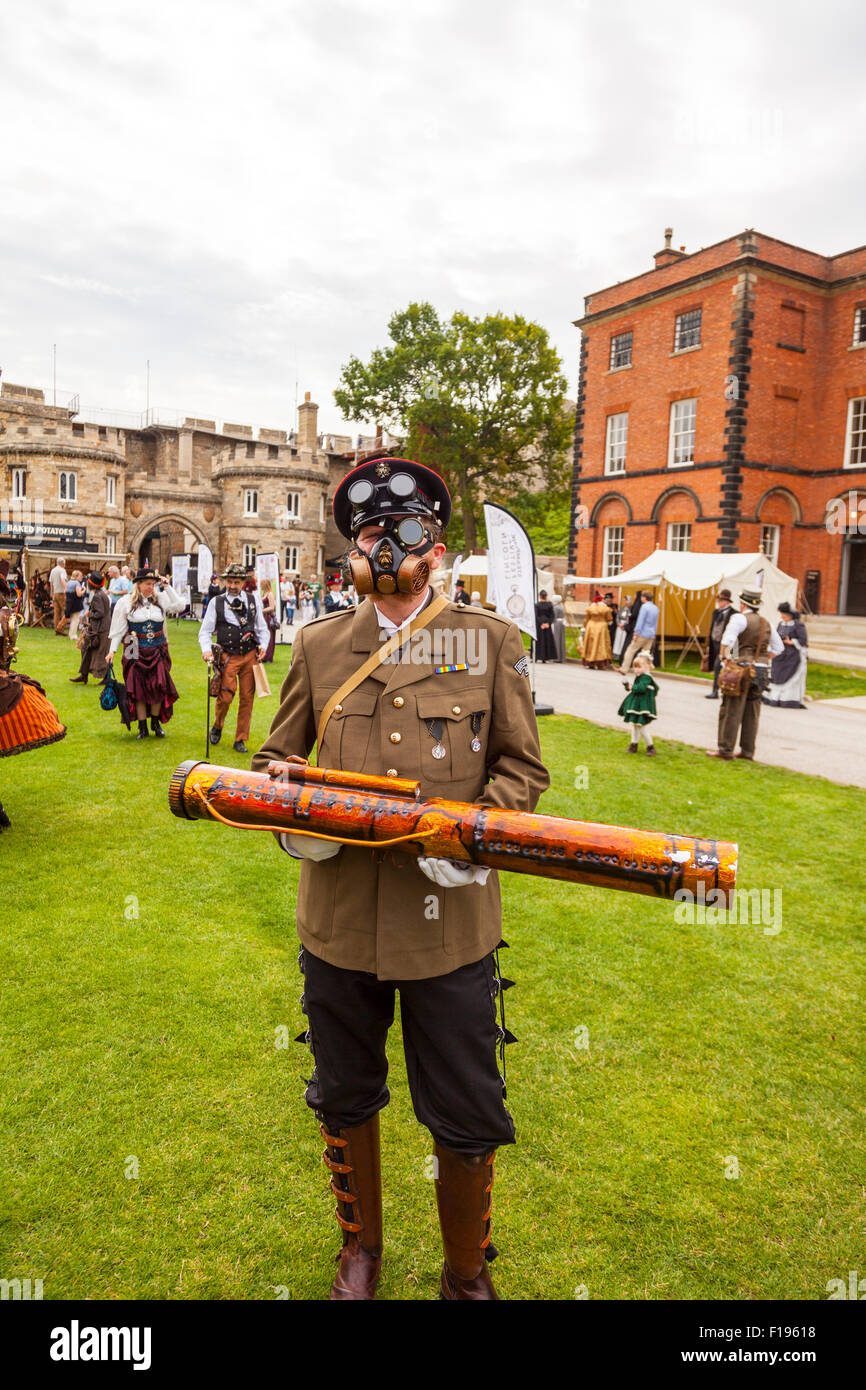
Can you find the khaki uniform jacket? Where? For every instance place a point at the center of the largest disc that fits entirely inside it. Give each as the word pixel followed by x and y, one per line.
pixel 386 917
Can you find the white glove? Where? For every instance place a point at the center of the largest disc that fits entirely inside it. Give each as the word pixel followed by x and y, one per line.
pixel 306 847
pixel 447 873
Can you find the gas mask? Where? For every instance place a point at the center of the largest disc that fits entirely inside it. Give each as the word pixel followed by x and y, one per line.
pixel 396 561
pixel 395 564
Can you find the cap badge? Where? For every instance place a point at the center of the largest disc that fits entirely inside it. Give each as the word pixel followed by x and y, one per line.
pixel 383 469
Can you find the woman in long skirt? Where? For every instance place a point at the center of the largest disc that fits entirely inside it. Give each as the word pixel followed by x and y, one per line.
pixel 788 671
pixel 596 636
pixel 269 613
pixel 27 717
pixel 138 622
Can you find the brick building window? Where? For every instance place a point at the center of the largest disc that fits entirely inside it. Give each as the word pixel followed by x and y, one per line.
pixel 293 505
pixel 770 543
pixel 616 443
pixel 614 543
pixel 251 501
pixel 111 543
pixel 249 554
pixel 273 451
pixel 792 326
pixel 679 535
pixel 77 429
pixel 681 445
pixel 19 483
pixel 68 487
pixel 687 332
pixel 292 558
pixel 620 350
pixel 251 451
pixel 110 491
pixel 855 437
pixel 860 324
pixel 321 509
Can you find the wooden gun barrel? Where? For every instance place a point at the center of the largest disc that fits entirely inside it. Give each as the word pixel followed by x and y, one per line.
pixel 360 810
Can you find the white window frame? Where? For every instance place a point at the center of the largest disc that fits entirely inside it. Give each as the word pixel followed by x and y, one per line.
pixel 860 433
pixel 321 509
pixel 69 481
pixel 676 433
pixel 770 534
pixel 249 554
pixel 679 346
pixel 859 325
pixel 293 505
pixel 251 501
pixel 19 484
pixel 293 559
pixel 614 545
pixel 615 337
pixel 111 542
pixel 679 531
pixel 110 490
pixel 616 444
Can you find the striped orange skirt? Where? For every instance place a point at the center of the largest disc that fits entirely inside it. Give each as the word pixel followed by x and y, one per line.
pixel 29 720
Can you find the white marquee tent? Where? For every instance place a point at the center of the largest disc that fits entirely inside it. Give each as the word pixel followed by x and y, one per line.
pixel 681 577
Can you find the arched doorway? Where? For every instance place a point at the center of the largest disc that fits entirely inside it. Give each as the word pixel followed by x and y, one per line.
pixel 162 537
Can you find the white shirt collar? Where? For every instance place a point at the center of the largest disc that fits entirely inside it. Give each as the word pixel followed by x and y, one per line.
pixel 390 627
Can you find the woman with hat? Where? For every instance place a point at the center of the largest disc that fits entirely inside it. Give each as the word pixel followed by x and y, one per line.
pixel 97 623
pixel 27 717
pixel 138 621
pixel 788 671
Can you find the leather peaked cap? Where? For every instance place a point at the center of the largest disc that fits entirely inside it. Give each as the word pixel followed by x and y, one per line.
pixel 431 498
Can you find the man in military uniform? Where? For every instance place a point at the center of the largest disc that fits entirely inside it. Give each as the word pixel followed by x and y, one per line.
pixel 454 712
pixel 755 641
pixel 236 620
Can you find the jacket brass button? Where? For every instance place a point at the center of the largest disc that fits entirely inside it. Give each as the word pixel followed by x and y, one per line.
pixel 392 772
pixel 338 709
pixel 396 738
pixel 455 709
pixel 399 701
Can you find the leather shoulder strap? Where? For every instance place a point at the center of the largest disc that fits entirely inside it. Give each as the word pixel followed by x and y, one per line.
pixel 375 659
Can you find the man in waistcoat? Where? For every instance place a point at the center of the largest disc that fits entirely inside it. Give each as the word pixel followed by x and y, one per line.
pixel 234 620
pixel 751 641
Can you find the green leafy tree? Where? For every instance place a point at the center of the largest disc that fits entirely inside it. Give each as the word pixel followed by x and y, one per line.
pixel 480 400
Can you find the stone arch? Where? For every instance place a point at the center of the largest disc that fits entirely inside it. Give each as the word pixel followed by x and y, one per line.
pixel 671 492
pixel 152 523
pixel 610 497
pixel 790 498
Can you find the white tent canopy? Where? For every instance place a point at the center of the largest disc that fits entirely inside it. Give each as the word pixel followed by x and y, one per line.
pixel 477 565
pixel 702 574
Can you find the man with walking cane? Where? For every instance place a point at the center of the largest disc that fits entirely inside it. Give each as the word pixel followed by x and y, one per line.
pixel 236 619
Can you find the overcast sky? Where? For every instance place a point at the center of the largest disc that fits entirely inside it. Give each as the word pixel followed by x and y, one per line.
pixel 243 193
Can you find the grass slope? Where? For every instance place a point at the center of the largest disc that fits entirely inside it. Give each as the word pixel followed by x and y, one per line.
pixel 150 974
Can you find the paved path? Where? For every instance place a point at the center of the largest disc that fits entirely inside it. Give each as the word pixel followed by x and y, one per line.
pixel 828 739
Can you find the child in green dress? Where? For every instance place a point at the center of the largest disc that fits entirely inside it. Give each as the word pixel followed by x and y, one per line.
pixel 639 707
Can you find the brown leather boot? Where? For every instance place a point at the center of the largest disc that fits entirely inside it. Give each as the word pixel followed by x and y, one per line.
pixel 352 1156
pixel 463 1188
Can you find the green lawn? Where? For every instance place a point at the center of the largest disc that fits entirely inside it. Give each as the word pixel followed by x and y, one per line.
pixel 150 963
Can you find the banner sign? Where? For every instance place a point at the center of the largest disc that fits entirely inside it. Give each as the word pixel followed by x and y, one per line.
pixel 48 532
pixel 205 568
pixel 510 568
pixel 455 574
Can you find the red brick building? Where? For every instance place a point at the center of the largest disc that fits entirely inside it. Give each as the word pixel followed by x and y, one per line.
pixel 722 407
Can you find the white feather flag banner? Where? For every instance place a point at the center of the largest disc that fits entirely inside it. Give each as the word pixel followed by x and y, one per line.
pixel 510 568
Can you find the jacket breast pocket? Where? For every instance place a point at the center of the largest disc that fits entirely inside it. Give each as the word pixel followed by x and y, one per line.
pixel 457 721
pixel 346 740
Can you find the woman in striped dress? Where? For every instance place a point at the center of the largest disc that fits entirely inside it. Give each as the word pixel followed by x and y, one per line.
pixel 27 717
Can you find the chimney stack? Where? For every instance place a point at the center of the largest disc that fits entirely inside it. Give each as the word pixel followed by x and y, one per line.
pixel 668 255
pixel 308 424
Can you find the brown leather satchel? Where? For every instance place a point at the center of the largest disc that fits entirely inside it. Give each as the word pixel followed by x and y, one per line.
pixel 735 676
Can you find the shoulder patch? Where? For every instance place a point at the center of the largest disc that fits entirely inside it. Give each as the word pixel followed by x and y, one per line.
pixel 522 667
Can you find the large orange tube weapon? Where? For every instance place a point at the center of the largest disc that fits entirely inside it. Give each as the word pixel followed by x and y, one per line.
pixel 379 812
